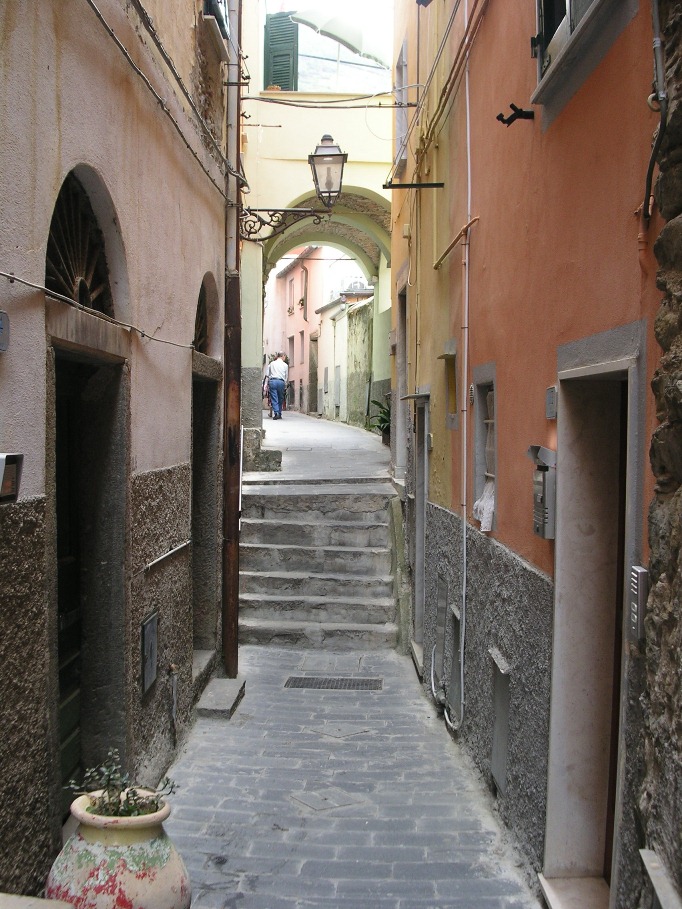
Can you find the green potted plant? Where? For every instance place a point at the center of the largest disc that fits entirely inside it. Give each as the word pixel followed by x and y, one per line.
pixel 382 421
pixel 120 855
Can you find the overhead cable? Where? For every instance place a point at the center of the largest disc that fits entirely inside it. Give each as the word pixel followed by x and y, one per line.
pixel 159 99
pixel 91 312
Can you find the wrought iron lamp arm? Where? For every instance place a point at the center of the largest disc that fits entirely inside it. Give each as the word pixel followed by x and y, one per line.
pixel 253 220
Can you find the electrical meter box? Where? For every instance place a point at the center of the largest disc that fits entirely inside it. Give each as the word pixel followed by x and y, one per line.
pixel 10 476
pixel 544 491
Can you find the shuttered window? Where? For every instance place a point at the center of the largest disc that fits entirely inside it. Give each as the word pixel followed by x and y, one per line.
pixel 281 52
pixel 558 19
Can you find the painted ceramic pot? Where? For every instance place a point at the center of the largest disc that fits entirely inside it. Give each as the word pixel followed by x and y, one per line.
pixel 119 863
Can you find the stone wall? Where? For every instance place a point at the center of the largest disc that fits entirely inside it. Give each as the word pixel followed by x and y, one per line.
pixel 27 790
pixel 509 610
pixel 160 521
pixel 661 791
pixel 359 364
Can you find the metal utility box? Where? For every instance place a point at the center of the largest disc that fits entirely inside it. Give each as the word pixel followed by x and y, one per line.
pixel 639 590
pixel 10 476
pixel 544 491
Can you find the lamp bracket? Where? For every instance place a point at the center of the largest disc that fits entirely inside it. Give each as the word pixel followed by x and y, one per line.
pixel 253 220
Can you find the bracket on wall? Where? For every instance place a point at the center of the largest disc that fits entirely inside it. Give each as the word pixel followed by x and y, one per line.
pixel 518 113
pixel 253 220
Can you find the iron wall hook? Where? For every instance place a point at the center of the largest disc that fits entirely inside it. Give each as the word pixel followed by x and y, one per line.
pixel 518 113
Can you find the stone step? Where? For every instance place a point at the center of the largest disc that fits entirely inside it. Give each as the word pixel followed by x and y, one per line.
pixel 319 533
pixel 303 608
pixel 336 636
pixel 314 584
pixel 330 503
pixel 330 559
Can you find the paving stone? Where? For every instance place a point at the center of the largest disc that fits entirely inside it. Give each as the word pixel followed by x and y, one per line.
pixel 272 812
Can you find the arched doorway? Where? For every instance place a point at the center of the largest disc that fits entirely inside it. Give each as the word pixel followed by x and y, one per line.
pixel 206 378
pixel 88 393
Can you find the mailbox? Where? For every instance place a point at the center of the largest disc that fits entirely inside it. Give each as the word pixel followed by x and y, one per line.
pixel 10 476
pixel 544 491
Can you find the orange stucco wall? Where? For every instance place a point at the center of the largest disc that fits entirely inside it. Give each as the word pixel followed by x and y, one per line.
pixel 555 255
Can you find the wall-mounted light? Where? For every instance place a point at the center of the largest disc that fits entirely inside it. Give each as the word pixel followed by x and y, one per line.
pixel 327 163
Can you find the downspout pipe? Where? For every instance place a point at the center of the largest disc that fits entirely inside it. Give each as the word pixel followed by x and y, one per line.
pixel 660 97
pixel 456 724
pixel 232 365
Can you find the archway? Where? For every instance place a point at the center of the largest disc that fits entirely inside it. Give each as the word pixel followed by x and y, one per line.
pixel 88 413
pixel 359 226
pixel 206 409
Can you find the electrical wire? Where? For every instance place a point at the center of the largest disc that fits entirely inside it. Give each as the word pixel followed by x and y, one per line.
pixel 159 99
pixel 149 26
pixel 422 101
pixel 322 105
pixel 91 312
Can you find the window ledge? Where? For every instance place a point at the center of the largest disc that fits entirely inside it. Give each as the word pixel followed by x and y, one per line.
pixel 575 892
pixel 584 50
pixel 667 896
pixel 216 36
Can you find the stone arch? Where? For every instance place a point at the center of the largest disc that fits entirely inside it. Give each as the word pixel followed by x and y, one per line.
pixel 104 210
pixel 207 321
pixel 360 221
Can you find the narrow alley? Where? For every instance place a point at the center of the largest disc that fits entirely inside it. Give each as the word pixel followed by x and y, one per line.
pixel 335 782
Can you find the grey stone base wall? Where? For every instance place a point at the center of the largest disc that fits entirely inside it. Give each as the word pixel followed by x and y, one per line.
pixel 508 610
pixel 252 402
pixel 160 521
pixel 27 783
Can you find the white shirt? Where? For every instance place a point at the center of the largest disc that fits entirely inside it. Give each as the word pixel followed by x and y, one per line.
pixel 278 369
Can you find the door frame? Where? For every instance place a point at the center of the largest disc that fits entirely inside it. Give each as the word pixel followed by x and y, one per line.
pixel 570 860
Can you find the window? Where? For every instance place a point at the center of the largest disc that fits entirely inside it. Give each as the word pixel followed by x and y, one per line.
pixel 400 158
pixel 281 52
pixel 573 37
pixel 558 19
pixel 291 350
pixel 486 457
pixel 302 345
pixel 290 297
pixel 298 58
pixel 218 9
pixel 449 357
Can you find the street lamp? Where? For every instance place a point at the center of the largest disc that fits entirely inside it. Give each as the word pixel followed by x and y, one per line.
pixel 327 163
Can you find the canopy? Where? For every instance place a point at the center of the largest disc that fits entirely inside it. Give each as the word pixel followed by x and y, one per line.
pixel 365 29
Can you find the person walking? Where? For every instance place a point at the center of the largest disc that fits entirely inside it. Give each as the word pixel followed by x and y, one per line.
pixel 278 373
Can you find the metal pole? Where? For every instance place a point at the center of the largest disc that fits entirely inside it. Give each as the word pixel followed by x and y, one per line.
pixel 232 363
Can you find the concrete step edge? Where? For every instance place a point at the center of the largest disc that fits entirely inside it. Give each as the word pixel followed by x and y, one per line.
pixel 314 575
pixel 251 622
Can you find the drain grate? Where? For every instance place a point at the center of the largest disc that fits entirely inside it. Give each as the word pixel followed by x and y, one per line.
pixel 334 684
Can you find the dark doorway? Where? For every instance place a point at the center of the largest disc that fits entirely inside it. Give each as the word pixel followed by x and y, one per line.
pixel 205 551
pixel 90 471
pixel 313 403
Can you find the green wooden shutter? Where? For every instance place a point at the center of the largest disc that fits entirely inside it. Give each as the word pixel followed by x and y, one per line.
pixel 281 52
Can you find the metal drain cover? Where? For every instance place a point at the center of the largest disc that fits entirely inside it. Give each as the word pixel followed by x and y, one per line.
pixel 329 683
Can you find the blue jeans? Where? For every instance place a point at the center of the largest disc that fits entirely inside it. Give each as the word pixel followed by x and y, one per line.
pixel 277 388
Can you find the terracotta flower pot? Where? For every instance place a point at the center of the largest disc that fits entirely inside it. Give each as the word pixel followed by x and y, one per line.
pixel 126 862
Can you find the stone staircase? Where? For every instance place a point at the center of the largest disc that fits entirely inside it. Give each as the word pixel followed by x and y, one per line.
pixel 315 565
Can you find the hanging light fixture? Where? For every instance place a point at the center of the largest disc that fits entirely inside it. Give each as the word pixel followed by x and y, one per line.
pixel 327 163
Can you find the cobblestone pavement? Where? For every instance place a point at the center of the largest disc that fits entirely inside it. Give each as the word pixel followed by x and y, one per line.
pixel 317 798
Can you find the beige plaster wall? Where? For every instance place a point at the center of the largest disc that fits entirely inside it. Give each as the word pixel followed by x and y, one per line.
pixel 168 216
